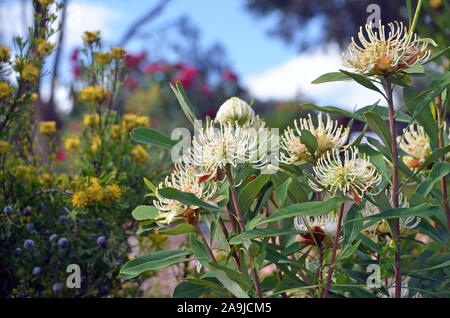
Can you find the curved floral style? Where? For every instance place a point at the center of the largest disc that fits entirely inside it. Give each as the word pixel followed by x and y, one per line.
pixel 329 135
pixel 380 54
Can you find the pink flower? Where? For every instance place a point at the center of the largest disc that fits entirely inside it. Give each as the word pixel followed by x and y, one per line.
pixel 60 155
pixel 229 75
pixel 186 76
pixel 133 61
pixel 155 68
pixel 206 90
pixel 132 83
pixel 74 55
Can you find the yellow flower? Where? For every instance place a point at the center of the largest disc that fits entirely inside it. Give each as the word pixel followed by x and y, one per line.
pixel 45 179
pixel 30 73
pixel 96 142
pixel 34 97
pixel 47 128
pixel 116 132
pixel 139 154
pixel 435 4
pixel 112 193
pixel 72 143
pixel 22 172
pixel 92 94
pixel 4 145
pixel 143 121
pixel 118 53
pixel 103 58
pixel 45 48
pixel 129 121
pixel 79 199
pixel 6 90
pixel 94 193
pixel 4 53
pixel 91 37
pixel 90 120
pixel 46 2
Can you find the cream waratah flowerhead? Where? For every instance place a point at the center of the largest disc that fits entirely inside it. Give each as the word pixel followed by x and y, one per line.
pixel 407 225
pixel 214 148
pixel 416 143
pixel 234 110
pixel 381 54
pixel 183 178
pixel 350 175
pixel 322 226
pixel 329 135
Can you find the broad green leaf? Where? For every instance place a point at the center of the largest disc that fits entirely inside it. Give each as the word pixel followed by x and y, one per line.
pixel 144 212
pixel 309 141
pixel 149 185
pixel 415 69
pixel 146 228
pixel 384 113
pixel 332 110
pixel 248 235
pixel 314 208
pixel 364 81
pixel 235 276
pixel 426 228
pixel 189 290
pixel 331 77
pixel 438 54
pixel 153 137
pixel 248 194
pixel 153 261
pixel 179 229
pixel 282 191
pixel 439 170
pixel 184 102
pixel 186 198
pixel 425 209
pixel 198 286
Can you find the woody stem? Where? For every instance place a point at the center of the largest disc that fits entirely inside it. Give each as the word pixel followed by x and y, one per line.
pixel 241 224
pixel 398 270
pixel 333 253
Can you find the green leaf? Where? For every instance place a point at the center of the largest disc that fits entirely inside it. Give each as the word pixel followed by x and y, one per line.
pixel 189 290
pixel 439 170
pixel 426 228
pixel 410 18
pixel 153 261
pixel 248 194
pixel 415 69
pixel 438 54
pixel 332 110
pixel 379 126
pixel 435 155
pixel 364 81
pixel 248 235
pixel 149 185
pixel 145 212
pixel 422 210
pixel 235 276
pixel 314 208
pixel 186 198
pixel 153 137
pixel 309 141
pixel 282 191
pixel 184 102
pixel 180 229
pixel 331 77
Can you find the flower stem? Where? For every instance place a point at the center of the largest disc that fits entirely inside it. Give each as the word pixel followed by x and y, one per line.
pixel 333 253
pixel 398 270
pixel 241 224
pixel 441 115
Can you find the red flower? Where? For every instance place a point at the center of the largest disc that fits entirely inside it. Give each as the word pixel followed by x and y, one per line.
pixel 155 68
pixel 229 75
pixel 76 70
pixel 187 76
pixel 132 83
pixel 60 155
pixel 74 55
pixel 133 61
pixel 206 90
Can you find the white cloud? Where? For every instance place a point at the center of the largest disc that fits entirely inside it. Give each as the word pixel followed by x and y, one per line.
pixel 293 78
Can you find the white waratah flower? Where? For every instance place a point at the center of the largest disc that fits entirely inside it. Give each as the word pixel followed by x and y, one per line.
pixel 416 143
pixel 328 136
pixel 352 175
pixel 327 223
pixel 234 110
pixel 183 178
pixel 214 148
pixel 407 225
pixel 380 54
